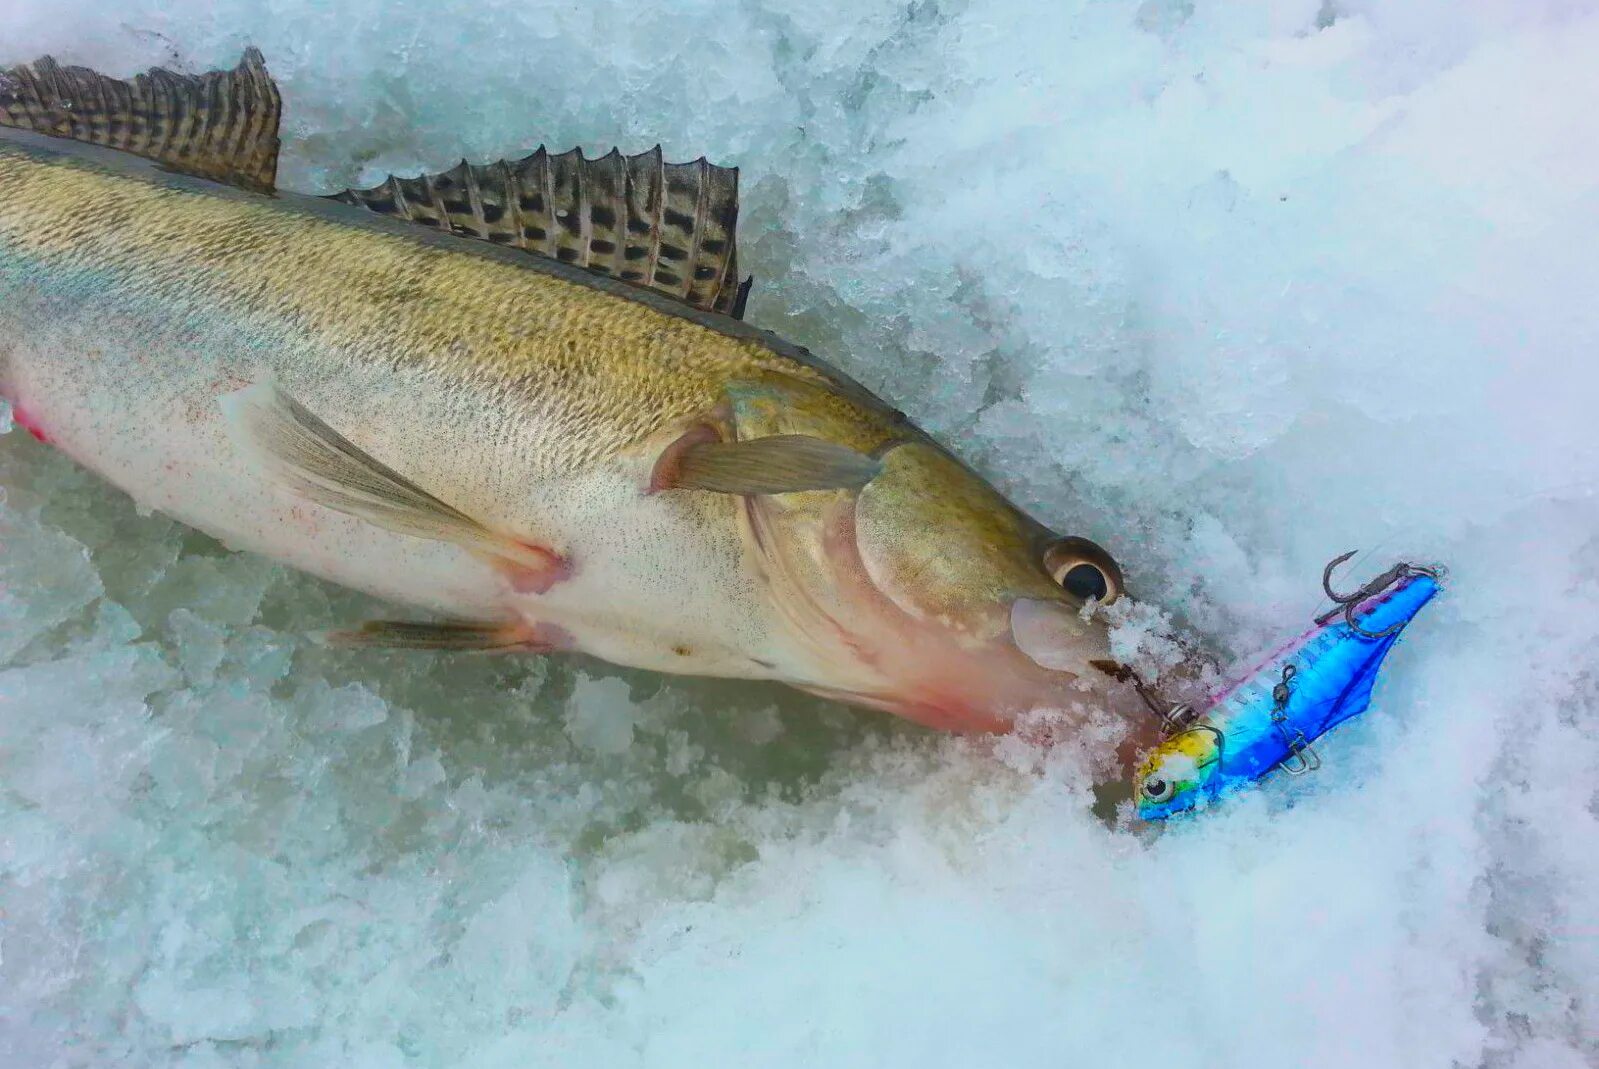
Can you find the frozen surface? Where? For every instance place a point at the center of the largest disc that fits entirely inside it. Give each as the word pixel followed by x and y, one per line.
pixel 1227 286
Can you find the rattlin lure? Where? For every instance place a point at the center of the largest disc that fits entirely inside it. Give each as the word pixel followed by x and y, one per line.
pixel 1270 719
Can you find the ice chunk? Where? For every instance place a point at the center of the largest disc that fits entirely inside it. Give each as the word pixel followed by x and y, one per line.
pixel 46 578
pixel 600 716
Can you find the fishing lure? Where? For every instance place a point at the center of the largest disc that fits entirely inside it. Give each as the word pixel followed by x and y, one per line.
pixel 1270 718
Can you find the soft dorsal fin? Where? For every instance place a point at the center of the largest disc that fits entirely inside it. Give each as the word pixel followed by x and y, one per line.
pixel 668 227
pixel 221 125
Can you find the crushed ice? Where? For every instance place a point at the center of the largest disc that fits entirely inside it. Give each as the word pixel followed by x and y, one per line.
pixel 1228 287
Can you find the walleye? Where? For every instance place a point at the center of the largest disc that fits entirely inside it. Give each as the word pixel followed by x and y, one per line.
pixel 519 396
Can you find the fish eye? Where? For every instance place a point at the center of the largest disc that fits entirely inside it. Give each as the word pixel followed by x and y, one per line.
pixel 1085 581
pixel 1157 790
pixel 1084 570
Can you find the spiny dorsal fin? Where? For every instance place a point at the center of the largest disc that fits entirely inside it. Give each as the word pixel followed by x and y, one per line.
pixel 221 125
pixel 664 226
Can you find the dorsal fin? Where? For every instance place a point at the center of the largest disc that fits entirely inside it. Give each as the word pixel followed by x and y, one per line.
pixel 221 125
pixel 669 227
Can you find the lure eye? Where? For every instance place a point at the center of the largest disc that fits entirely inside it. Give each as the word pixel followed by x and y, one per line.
pixel 1157 790
pixel 1084 570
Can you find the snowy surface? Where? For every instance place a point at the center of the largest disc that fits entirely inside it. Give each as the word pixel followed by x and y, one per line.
pixel 1230 287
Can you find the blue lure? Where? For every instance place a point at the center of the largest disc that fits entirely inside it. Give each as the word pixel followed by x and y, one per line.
pixel 1271 717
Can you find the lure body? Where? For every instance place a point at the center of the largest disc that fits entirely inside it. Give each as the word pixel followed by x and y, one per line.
pixel 1270 718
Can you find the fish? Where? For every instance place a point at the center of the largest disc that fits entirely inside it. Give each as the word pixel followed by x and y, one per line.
pixel 1268 719
pixel 518 398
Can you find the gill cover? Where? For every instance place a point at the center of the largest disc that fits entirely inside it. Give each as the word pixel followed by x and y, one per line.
pixel 944 546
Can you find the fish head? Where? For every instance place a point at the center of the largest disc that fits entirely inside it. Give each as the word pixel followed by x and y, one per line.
pixel 1182 773
pixel 963 612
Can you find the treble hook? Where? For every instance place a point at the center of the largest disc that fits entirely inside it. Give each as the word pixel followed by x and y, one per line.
pixel 1348 603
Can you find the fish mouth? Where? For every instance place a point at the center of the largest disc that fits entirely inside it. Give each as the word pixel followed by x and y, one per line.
pixel 1181 773
pixel 1049 633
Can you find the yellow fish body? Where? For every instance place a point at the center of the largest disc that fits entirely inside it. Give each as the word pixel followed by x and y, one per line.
pixel 551 457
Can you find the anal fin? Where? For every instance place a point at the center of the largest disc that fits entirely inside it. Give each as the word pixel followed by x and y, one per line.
pixel 459 635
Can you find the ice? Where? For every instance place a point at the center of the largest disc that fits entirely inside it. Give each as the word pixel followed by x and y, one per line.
pixel 1228 287
pixel 601 715
pixel 30 609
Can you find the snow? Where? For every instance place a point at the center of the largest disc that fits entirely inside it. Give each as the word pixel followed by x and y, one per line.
pixel 1228 287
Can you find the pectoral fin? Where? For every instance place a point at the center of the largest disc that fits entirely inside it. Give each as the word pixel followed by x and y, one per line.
pixel 311 459
pixel 779 464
